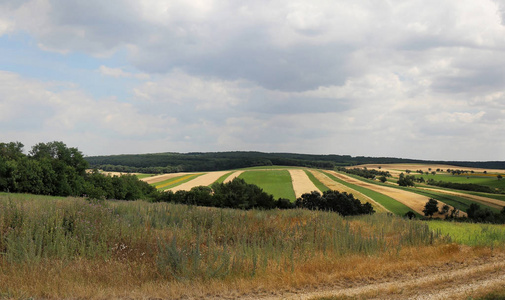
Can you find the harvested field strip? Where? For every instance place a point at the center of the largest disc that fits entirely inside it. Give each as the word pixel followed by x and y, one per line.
pixel 316 182
pixel 233 176
pixel 275 182
pixel 376 199
pixel 204 180
pixel 301 182
pixel 415 201
pixel 500 197
pixel 457 200
pixel 176 181
pixel 461 200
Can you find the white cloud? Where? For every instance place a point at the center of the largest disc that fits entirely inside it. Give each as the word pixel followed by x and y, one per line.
pixel 118 73
pixel 367 77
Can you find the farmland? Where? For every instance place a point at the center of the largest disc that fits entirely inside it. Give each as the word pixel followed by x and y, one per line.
pixel 92 247
pixel 291 182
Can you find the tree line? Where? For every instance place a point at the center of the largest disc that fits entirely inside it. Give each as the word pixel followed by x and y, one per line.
pixel 57 170
pixel 215 161
pixel 241 195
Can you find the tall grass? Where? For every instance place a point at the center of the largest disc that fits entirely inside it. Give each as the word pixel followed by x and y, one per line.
pixel 178 243
pixel 186 242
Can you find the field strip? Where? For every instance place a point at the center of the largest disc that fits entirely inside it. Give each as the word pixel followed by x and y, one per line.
pixel 483 200
pixel 424 167
pixel 233 176
pixel 176 180
pixel 205 180
pixel 456 283
pixel 333 185
pixel 163 177
pixel 412 200
pixel 301 182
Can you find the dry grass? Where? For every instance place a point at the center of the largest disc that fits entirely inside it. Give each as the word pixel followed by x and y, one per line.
pixel 92 279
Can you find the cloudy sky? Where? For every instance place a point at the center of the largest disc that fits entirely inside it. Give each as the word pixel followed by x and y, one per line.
pixel 415 79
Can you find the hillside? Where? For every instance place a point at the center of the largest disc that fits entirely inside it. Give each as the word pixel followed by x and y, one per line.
pixel 218 161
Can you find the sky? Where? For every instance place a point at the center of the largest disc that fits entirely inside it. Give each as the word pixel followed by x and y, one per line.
pixel 416 79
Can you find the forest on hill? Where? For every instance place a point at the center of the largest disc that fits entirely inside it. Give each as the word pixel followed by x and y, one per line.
pixel 217 161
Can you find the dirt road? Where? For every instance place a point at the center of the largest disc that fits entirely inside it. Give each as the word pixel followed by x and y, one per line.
pixel 448 281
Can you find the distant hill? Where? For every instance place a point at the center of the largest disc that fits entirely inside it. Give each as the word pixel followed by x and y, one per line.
pixel 215 161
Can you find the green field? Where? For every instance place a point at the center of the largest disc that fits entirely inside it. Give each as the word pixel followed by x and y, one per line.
pixel 471 234
pixel 480 179
pixel 140 176
pixel 389 203
pixel 275 182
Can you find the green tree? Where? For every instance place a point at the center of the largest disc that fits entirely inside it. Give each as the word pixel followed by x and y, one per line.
pixel 499 176
pixel 430 208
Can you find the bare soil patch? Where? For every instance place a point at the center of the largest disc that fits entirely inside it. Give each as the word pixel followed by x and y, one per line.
pixel 333 185
pixel 233 176
pixel 205 180
pixel 412 200
pixel 301 182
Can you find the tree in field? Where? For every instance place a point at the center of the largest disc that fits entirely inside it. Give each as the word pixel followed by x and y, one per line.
pixel 499 177
pixel 430 208
pixel 383 179
pixel 410 215
pixel 405 180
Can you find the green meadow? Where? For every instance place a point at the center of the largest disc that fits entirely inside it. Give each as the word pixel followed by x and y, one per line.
pixel 275 182
pixel 471 234
pixel 489 180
